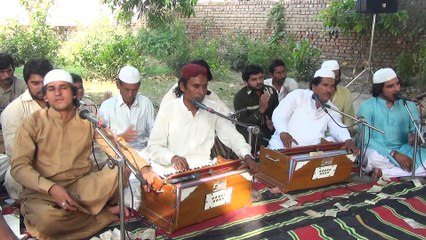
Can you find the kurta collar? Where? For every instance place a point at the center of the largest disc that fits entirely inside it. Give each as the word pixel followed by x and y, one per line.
pixel 120 101
pixel 26 96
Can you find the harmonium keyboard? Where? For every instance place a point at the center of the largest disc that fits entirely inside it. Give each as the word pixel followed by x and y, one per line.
pixel 189 197
pixel 304 167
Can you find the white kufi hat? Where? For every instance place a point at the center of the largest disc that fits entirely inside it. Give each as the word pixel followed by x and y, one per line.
pixel 57 75
pixel 324 72
pixel 383 75
pixel 331 64
pixel 129 74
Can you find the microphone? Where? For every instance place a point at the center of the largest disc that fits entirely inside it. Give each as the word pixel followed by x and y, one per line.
pixel 192 176
pixel 400 96
pixel 201 105
pixel 237 113
pixel 85 114
pixel 315 97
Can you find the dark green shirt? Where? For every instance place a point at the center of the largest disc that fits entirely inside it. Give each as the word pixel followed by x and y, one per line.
pixel 248 99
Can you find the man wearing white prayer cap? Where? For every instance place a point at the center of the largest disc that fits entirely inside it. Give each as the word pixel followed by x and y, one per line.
pixel 390 154
pixel 129 114
pixel 300 120
pixel 63 196
pixel 342 97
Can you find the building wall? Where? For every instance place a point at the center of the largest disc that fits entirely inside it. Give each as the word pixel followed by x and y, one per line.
pixel 219 18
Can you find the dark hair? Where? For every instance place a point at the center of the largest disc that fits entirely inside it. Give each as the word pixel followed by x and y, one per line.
pixel 76 78
pixel 177 91
pixel 315 81
pixel 250 70
pixel 6 60
pixel 377 89
pixel 75 101
pixel 203 63
pixel 276 63
pixel 38 66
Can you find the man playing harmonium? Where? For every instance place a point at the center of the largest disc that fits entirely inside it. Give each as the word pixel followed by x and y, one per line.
pixel 300 118
pixel 183 134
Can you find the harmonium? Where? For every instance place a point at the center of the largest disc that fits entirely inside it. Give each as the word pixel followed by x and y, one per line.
pixel 185 198
pixel 304 167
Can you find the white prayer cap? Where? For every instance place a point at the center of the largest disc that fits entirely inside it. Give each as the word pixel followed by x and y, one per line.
pixel 383 75
pixel 325 72
pixel 331 64
pixel 56 75
pixel 129 74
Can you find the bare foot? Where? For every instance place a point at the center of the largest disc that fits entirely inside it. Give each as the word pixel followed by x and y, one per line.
pixel 116 210
pixel 377 173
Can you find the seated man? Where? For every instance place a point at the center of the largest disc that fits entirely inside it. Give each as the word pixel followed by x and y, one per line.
pixel 279 79
pixel 130 114
pixel 23 106
pixel 342 97
pixel 183 134
pixel 62 197
pixel 258 101
pixel 300 119
pixel 390 154
pixel 10 86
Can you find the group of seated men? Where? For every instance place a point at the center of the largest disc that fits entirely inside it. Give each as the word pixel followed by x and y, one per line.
pixel 50 145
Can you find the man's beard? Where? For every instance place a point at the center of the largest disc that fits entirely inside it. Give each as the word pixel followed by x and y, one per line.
pixel 36 97
pixel 281 81
pixel 257 88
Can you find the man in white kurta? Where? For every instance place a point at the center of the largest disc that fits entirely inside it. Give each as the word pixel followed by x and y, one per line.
pixel 184 131
pixel 130 115
pixel 23 106
pixel 300 116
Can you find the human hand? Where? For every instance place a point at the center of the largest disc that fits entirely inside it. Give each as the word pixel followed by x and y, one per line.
pixel 129 134
pixel 250 164
pixel 287 139
pixel 351 147
pixel 404 161
pixel 63 198
pixel 264 101
pixel 149 177
pixel 179 163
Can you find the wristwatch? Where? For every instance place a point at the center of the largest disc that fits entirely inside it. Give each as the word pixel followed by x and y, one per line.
pixel 392 153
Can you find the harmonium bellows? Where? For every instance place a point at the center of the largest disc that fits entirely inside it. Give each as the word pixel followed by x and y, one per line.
pixel 304 167
pixel 215 190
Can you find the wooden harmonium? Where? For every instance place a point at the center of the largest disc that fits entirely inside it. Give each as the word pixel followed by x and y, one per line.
pixel 210 191
pixel 304 167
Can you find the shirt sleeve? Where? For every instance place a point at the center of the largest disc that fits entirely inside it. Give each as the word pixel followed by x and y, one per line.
pixel 157 149
pixel 291 84
pixel 283 112
pixel 337 128
pixel 10 121
pixel 23 156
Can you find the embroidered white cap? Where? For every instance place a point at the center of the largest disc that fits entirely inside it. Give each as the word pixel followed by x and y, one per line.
pixel 129 74
pixel 383 75
pixel 57 75
pixel 324 72
pixel 331 64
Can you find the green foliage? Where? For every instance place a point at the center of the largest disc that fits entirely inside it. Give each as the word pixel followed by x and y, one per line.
pixel 302 59
pixel 236 51
pixel 276 21
pixel 102 49
pixel 412 67
pixel 341 17
pixel 157 12
pixel 36 40
pixel 168 43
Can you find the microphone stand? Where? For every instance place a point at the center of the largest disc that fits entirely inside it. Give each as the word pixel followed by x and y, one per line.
pixel 121 162
pixel 360 178
pixel 251 129
pixel 417 135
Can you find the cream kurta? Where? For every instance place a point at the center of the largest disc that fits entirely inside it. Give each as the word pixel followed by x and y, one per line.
pixel 49 151
pixel 11 119
pixel 298 115
pixel 177 132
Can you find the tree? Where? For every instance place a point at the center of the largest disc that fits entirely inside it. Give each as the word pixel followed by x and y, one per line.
pixel 157 12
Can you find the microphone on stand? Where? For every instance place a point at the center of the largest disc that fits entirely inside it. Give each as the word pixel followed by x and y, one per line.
pixel 201 105
pixel 236 114
pixel 400 96
pixel 85 114
pixel 315 97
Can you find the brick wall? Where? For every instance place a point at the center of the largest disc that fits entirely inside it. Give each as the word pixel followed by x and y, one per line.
pixel 249 17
